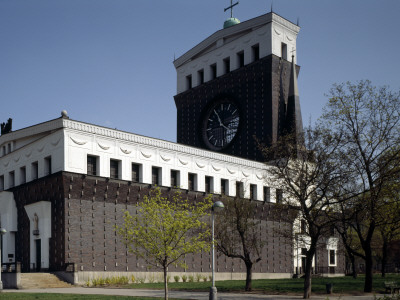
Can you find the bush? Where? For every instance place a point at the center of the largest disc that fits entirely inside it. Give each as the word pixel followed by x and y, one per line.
pixel 133 278
pixel 198 277
pixel 176 278
pixel 191 278
pixel 204 278
pixel 184 278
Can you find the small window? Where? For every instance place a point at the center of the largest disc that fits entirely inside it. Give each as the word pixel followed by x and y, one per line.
pixel 284 51
pixel 114 168
pixel 22 174
pixel 255 52
pixel 35 170
pixel 267 194
pixel 209 184
pixel 192 182
pixel 332 257
pixel 175 178
pixel 47 165
pixel 239 189
pixel 253 192
pixel 91 165
pixel 224 187
pixel 227 65
pixel 2 183
pixel 9 148
pixel 279 196
pixel 200 76
pixel 188 82
pixel 4 150
pixel 136 172
pixel 12 179
pixel 240 58
pixel 156 176
pixel 213 71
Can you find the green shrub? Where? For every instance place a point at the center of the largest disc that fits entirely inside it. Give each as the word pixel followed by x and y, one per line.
pixel 133 278
pixel 204 278
pixel 176 278
pixel 191 278
pixel 198 277
pixel 184 278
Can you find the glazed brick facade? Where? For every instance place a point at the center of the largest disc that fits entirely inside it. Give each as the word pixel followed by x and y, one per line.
pixel 256 89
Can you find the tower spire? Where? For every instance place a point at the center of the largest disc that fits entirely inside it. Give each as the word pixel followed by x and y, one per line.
pixel 293 117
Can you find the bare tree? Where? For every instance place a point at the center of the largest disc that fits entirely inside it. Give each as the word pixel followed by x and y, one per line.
pixel 301 165
pixel 367 121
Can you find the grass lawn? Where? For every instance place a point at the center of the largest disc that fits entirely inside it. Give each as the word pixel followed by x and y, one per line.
pixel 345 285
pixel 46 296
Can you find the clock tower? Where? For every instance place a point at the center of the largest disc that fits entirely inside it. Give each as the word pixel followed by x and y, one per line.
pixel 238 87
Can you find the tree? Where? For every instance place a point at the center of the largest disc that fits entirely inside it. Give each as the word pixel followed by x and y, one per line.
pixel 163 231
pixel 301 166
pixel 366 120
pixel 238 233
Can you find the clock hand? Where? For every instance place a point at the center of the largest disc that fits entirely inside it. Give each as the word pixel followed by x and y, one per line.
pixel 219 119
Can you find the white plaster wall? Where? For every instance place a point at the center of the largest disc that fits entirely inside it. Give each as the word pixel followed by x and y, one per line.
pixel 269 37
pixel 43 211
pixel 107 144
pixel 8 221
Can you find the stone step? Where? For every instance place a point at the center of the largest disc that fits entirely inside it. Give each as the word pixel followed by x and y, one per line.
pixel 41 281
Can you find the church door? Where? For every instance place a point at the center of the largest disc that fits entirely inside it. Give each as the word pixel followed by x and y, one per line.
pixel 38 245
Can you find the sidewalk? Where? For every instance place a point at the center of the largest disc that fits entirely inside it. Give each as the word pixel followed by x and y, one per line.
pixel 182 294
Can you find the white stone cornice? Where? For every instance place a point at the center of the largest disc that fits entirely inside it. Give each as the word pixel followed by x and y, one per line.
pixel 163 145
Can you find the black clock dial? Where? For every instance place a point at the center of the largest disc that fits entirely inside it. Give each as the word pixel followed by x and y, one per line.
pixel 220 125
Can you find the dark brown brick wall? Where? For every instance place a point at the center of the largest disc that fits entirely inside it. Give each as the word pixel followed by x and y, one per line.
pixel 255 88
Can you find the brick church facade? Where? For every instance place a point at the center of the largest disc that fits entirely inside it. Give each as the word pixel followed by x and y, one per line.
pixel 64 184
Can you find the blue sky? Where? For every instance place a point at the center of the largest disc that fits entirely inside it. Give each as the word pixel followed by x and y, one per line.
pixel 109 62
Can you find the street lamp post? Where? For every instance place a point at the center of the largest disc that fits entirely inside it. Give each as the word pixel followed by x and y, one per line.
pixel 2 232
pixel 213 290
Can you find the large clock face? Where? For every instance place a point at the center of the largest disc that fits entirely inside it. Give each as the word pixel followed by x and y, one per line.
pixel 220 124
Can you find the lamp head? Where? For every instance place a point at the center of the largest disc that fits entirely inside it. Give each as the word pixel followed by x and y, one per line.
pixel 3 231
pixel 218 205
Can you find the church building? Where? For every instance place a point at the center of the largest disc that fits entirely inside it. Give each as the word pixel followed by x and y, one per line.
pixel 64 183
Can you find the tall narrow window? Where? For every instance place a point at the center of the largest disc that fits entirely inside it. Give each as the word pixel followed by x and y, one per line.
pixel 332 257
pixel 188 82
pixel 224 186
pixel 213 71
pixel 279 196
pixel 136 172
pixel 114 168
pixel 4 150
pixel 11 179
pixel 253 192
pixel 227 65
pixel 174 178
pixel 35 170
pixel 191 182
pixel 9 148
pixel 91 165
pixel 255 52
pixel 208 184
pixel 156 175
pixel 240 58
pixel 2 183
pixel 267 194
pixel 22 175
pixel 284 51
pixel 47 165
pixel 239 189
pixel 200 76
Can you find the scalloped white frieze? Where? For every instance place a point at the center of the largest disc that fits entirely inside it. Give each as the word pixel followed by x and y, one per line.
pixel 126 151
pixel 80 143
pixel 247 41
pixel 259 176
pixel 40 149
pixel 56 142
pixel 245 174
pixel 183 162
pixel 6 163
pixel 288 38
pixel 17 159
pixel 165 158
pixel 201 166
pixel 28 154
pixel 261 33
pixel 219 53
pixel 103 147
pixel 277 32
pixel 216 168
pixel 231 171
pixel 145 154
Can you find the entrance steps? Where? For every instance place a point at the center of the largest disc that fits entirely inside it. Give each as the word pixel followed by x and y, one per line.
pixel 41 281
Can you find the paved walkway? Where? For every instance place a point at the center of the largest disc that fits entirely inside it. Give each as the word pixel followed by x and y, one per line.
pixel 181 294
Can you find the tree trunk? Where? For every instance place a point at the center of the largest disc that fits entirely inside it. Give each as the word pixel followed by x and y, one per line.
pixel 384 257
pixel 353 266
pixel 368 269
pixel 307 275
pixel 249 266
pixel 165 283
